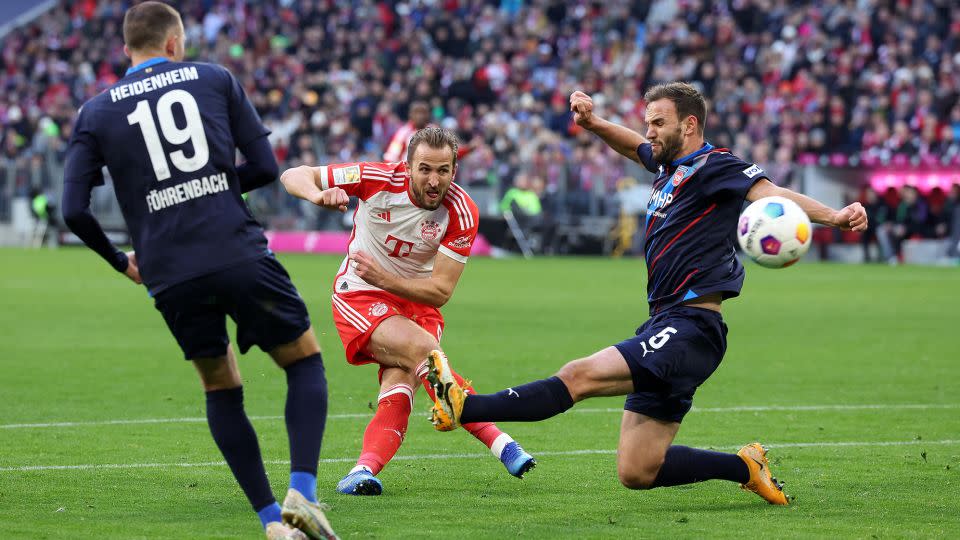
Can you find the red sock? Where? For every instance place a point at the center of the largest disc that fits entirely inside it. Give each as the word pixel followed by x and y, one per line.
pixel 486 432
pixel 385 432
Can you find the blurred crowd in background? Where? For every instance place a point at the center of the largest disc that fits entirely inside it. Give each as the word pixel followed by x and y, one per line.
pixel 333 80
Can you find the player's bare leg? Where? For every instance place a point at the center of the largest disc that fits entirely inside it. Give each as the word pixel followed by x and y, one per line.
pixel 305 415
pixel 234 435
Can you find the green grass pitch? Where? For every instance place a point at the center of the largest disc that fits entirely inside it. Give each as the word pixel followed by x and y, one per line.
pixel 851 374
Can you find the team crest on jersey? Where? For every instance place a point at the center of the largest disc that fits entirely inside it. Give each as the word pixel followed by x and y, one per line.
pixel 429 230
pixel 461 243
pixel 678 176
pixel 346 175
pixel 378 310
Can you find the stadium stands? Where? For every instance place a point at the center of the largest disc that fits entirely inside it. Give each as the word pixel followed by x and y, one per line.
pixel 830 82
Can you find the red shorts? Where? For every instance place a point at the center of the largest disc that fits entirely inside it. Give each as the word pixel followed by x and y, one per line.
pixel 358 314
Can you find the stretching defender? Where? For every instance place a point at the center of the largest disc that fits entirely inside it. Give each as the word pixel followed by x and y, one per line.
pixel 691 270
pixel 412 234
pixel 168 133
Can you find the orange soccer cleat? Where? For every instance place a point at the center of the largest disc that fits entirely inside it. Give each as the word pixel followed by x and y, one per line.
pixel 761 482
pixel 449 395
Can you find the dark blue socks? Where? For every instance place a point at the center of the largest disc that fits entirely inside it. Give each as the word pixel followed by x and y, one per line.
pixel 306 416
pixel 531 402
pixel 685 465
pixel 237 441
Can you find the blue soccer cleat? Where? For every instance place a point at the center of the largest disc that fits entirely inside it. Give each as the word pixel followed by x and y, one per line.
pixel 516 459
pixel 360 482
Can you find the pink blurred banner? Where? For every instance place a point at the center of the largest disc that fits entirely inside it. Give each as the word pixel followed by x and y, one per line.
pixel 334 242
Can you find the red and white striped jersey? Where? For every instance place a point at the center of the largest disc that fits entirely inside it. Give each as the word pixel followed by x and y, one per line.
pixel 397 148
pixel 389 226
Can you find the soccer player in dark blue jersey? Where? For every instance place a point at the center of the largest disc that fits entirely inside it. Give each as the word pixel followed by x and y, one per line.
pixel 168 132
pixel 692 268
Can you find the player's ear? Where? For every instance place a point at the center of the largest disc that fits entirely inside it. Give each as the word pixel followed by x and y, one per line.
pixel 126 51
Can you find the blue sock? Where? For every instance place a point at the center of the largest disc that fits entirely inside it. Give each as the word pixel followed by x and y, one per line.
pixel 531 402
pixel 685 465
pixel 269 513
pixel 306 417
pixel 237 441
pixel 305 483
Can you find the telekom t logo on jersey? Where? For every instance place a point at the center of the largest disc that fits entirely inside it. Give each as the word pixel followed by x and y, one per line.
pixel 401 248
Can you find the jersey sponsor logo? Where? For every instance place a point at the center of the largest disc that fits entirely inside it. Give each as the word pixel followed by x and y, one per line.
pixel 346 175
pixel 462 242
pixel 752 170
pixel 401 248
pixel 429 230
pixel 377 310
pixel 158 199
pixel 678 176
pixel 659 199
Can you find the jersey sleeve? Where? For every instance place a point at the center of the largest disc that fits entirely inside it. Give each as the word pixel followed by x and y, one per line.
pixel 730 176
pixel 645 153
pixel 464 222
pixel 361 179
pixel 245 124
pixel 84 160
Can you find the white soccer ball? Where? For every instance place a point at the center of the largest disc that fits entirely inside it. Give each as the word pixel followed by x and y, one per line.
pixel 774 232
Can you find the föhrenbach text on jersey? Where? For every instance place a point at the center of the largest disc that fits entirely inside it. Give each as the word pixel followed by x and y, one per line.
pixel 158 199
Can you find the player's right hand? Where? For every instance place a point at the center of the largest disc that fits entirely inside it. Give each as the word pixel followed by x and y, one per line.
pixel 582 107
pixel 334 198
pixel 133 271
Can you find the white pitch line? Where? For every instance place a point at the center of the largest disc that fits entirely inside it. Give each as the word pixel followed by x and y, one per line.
pixel 745 408
pixel 189 420
pixel 603 451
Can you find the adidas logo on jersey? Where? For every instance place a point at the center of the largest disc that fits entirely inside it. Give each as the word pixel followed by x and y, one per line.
pixel 384 216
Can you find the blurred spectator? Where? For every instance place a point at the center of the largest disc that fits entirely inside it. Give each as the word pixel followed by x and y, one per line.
pixel 952 213
pixel 419 118
pixel 910 219
pixel 522 201
pixel 878 216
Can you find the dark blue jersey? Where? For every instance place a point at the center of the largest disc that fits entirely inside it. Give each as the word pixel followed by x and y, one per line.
pixel 168 134
pixel 691 218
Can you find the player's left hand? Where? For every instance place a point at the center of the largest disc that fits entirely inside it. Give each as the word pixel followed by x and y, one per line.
pixel 133 271
pixel 368 269
pixel 851 218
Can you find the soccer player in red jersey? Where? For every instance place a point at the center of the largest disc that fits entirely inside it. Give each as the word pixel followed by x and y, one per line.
pixel 412 235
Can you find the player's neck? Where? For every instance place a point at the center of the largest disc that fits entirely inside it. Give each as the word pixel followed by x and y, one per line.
pixel 137 58
pixel 692 145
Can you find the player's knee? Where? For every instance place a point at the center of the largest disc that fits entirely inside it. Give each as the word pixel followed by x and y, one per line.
pixel 578 376
pixel 641 476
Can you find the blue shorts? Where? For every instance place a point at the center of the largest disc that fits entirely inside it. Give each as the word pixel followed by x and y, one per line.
pixel 673 353
pixel 257 295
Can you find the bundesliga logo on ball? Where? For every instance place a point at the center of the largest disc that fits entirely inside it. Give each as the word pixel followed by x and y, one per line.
pixel 774 232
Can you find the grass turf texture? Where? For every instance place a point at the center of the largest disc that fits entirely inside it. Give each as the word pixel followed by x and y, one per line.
pixel 83 345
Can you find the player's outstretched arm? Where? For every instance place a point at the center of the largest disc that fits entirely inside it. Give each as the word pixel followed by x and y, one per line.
pixel 852 217
pixel 435 290
pixel 304 183
pixel 621 138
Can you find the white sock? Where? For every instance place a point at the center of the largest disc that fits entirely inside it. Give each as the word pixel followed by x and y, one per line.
pixel 500 443
pixel 360 468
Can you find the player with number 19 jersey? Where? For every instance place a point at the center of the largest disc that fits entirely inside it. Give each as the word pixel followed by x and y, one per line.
pixel 172 162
